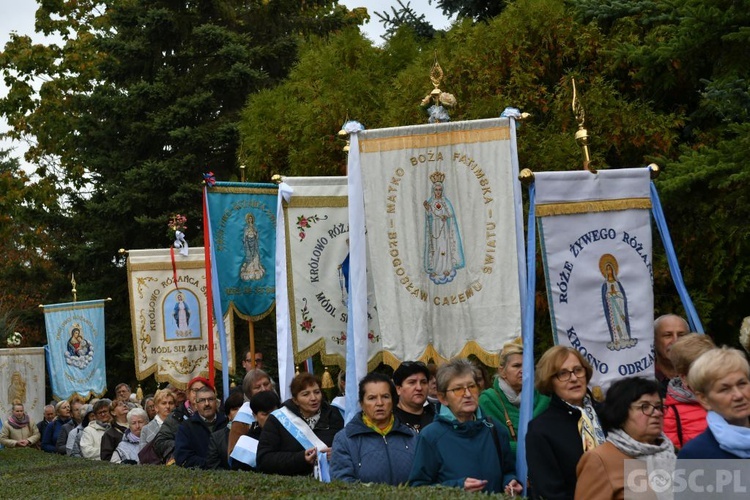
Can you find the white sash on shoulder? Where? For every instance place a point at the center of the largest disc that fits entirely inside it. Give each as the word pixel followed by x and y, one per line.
pixel 305 436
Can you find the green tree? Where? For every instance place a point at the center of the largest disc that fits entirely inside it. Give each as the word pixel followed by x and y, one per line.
pixel 139 99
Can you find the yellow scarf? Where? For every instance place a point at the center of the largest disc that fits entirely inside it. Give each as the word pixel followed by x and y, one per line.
pixel 369 423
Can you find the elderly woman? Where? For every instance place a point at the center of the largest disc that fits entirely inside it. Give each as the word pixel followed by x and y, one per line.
pixel 558 437
pixel 52 432
pixel 164 403
pixel 279 451
pixel 461 448
pixel 374 447
pixel 255 381
pixel 119 424
pixel 91 437
pixel 127 450
pixel 685 418
pixel 632 415
pixel 502 401
pixel 721 381
pixel 19 430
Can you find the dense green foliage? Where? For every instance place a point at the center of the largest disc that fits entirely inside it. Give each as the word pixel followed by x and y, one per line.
pixel 33 474
pixel 143 96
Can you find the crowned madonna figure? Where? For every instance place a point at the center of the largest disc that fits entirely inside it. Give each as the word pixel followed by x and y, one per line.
pixel 443 251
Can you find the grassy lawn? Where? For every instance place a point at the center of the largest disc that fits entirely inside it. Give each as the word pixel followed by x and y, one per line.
pixel 26 474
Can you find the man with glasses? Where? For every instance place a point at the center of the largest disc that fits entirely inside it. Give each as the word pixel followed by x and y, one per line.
pixel 123 392
pixel 194 434
pixel 247 360
pixel 164 440
pixel 411 381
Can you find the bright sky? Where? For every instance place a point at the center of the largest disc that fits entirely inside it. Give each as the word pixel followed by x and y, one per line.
pixel 18 15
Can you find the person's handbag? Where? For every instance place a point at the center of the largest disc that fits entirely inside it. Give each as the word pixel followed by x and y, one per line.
pixel 148 455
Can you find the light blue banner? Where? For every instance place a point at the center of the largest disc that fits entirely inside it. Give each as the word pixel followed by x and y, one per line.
pixel 75 348
pixel 243 242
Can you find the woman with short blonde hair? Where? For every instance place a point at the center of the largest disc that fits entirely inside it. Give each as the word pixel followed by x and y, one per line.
pixel 721 381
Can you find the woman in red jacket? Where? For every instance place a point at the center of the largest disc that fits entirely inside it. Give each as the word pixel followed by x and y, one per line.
pixel 685 418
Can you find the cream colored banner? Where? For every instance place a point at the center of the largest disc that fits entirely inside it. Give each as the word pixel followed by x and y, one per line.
pixel 317 224
pixel 440 218
pixel 22 378
pixel 170 328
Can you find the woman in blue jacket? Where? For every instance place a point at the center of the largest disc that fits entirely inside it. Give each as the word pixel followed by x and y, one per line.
pixel 462 448
pixel 374 447
pixel 49 439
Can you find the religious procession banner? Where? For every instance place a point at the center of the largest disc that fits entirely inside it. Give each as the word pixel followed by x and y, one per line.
pixel 441 227
pixel 317 235
pixel 243 239
pixel 595 235
pixel 22 379
pixel 75 348
pixel 168 316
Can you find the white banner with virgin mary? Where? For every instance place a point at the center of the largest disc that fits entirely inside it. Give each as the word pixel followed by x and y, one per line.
pixel 317 249
pixel 595 235
pixel 440 214
pixel 168 316
pixel 22 379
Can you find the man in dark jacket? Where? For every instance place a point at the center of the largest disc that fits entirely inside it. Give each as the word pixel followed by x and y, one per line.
pixel 164 440
pixel 191 442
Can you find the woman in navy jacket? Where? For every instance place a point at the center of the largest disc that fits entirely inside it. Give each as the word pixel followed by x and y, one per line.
pixel 374 447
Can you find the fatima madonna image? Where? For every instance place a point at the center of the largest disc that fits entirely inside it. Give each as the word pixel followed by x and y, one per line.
pixel 443 251
pixel 615 304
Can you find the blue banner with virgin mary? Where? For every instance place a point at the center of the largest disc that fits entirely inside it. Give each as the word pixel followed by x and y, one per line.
pixel 75 348
pixel 243 242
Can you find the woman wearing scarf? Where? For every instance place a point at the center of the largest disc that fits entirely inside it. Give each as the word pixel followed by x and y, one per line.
pixel 127 450
pixel 503 399
pixel 91 437
pixel 721 381
pixel 52 432
pixel 374 447
pixel 118 425
pixel 633 417
pixel 462 448
pixel 279 452
pixel 558 437
pixel 19 430
pixel 685 417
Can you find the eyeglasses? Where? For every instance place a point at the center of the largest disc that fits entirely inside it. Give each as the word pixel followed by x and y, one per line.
pixel 103 412
pixel 564 375
pixel 648 409
pixel 205 400
pixel 460 391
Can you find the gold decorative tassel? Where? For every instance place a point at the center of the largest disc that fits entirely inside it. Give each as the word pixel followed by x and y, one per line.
pixel 139 393
pixel 327 381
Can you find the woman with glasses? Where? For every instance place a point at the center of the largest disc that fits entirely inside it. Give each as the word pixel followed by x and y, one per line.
pixel 502 400
pixel 462 448
pixel 633 416
pixel 91 437
pixel 558 437
pixel 721 381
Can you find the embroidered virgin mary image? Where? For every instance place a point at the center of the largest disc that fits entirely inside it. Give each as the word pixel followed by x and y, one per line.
pixel 615 305
pixel 181 314
pixel 443 251
pixel 79 351
pixel 251 269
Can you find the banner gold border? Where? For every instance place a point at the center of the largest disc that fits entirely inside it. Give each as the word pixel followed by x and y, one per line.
pixel 583 207
pixel 454 137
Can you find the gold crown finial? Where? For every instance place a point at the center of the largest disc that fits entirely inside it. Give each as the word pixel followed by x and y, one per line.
pixel 437 177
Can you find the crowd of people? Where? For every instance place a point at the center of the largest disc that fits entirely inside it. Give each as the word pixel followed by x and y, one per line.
pixel 428 425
